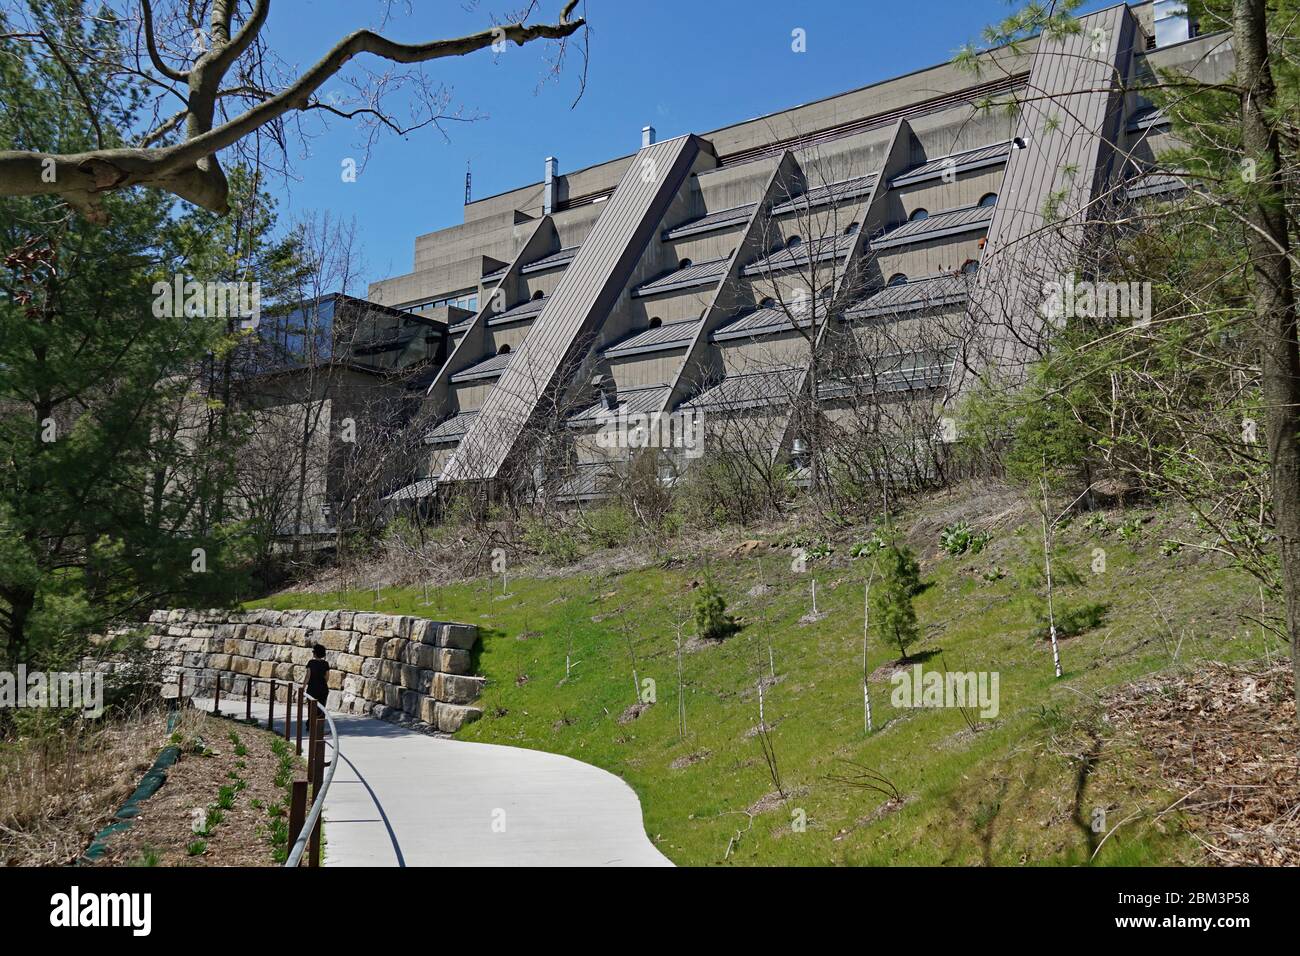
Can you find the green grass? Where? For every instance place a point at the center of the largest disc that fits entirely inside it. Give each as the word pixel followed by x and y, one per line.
pixel 1004 795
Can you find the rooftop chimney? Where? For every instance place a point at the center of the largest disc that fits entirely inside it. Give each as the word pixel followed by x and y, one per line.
pixel 548 186
pixel 647 136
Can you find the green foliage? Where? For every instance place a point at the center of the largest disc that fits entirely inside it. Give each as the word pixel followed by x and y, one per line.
pixel 197 847
pixel 897 580
pixel 551 538
pixel 725 488
pixel 117 495
pixel 957 539
pixel 865 549
pixel 610 525
pixel 709 612
pixel 1073 615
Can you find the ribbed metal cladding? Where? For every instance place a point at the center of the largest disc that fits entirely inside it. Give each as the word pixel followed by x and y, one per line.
pixel 1068 118
pixel 589 288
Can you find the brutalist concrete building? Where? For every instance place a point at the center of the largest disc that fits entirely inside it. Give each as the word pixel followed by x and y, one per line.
pixel 699 276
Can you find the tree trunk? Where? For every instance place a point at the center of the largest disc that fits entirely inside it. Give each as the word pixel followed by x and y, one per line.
pixel 1274 299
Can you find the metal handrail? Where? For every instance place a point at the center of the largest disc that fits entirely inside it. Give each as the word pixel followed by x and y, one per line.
pixel 295 855
pixel 304 835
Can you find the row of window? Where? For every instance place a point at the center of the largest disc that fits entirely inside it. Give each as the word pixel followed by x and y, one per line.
pixel 462 300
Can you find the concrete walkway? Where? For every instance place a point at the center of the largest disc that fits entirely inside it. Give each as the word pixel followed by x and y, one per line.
pixel 403 798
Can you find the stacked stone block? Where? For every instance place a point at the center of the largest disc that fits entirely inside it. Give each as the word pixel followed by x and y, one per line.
pixel 399 668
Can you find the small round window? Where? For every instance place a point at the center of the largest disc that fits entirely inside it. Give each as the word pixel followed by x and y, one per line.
pixel 504 350
pixel 793 241
pixel 538 294
pixel 851 229
pixel 685 264
pixel 989 199
pixel 970 267
pixel 656 322
pixel 898 278
pixel 917 215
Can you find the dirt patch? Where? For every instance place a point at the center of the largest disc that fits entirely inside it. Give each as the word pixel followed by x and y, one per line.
pixel 886 809
pixel 1224 739
pixel 164 832
pixel 632 713
pixel 773 800
pixel 681 763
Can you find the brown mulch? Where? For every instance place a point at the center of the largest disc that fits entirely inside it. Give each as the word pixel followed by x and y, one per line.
pixel 164 829
pixel 1225 739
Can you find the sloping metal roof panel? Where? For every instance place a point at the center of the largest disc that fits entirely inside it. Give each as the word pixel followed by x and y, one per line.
pixel 966 160
pixel 830 192
pixel 924 293
pixel 525 310
pixel 723 218
pixel 561 258
pixel 736 392
pixel 453 429
pixel 941 224
pixel 670 336
pixel 490 367
pixel 634 401
pixel 827 247
pixel 700 273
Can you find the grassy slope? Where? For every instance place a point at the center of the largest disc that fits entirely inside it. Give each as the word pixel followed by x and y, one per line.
pixel 1002 796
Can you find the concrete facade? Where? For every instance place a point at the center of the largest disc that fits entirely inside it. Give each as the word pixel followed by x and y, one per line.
pixel 661 282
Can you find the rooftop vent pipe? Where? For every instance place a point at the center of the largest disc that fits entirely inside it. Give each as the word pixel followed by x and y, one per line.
pixel 548 186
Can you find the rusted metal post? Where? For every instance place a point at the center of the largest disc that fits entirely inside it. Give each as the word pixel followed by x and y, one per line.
pixel 313 735
pixel 288 712
pixel 270 718
pixel 313 845
pixel 302 695
pixel 297 811
pixel 180 689
pixel 248 699
pixel 216 700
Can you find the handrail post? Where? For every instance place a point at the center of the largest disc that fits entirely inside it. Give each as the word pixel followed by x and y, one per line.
pixel 216 700
pixel 313 735
pixel 288 712
pixel 248 699
pixel 313 845
pixel 270 717
pixel 180 689
pixel 301 697
pixel 322 774
pixel 297 811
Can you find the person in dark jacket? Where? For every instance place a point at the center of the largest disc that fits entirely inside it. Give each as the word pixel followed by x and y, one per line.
pixel 318 674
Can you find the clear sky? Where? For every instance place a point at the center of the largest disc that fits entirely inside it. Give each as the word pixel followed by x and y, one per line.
pixel 679 65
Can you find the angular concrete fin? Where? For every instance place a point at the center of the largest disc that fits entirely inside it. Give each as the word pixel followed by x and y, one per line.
pixel 1069 126
pixel 470 348
pixel 701 364
pixel 591 285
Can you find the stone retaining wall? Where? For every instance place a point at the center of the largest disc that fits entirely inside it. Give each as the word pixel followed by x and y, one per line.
pixel 404 669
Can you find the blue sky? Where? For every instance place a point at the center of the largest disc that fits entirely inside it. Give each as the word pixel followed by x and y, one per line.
pixel 679 66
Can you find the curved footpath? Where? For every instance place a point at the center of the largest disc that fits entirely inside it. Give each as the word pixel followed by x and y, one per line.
pixel 403 798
